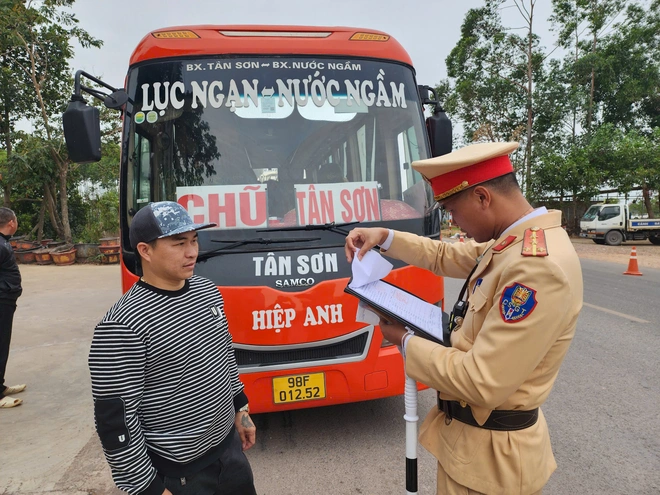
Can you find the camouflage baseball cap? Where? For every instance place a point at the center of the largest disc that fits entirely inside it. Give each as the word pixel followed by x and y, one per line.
pixel 162 219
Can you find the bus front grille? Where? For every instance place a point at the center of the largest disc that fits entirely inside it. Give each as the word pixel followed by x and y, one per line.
pixel 260 358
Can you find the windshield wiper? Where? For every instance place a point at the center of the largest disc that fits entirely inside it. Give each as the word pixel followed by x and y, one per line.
pixel 256 240
pixel 332 227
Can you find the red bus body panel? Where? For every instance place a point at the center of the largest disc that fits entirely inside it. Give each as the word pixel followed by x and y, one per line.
pixel 211 42
pixel 380 374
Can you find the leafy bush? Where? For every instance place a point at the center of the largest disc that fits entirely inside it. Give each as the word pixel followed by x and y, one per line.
pixel 101 218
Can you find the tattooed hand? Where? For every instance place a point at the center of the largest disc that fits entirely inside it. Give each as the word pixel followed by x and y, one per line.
pixel 246 429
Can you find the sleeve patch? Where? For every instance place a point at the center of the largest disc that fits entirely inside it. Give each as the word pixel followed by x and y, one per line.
pixel 517 302
pixel 111 426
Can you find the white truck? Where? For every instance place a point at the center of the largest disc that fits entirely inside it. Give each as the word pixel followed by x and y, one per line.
pixel 611 224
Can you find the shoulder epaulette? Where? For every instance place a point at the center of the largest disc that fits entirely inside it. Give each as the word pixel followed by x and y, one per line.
pixel 501 245
pixel 534 243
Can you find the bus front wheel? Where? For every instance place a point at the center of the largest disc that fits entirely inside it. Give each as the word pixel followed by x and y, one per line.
pixel 613 238
pixel 655 239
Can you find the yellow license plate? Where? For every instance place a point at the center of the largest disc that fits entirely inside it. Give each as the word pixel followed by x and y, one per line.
pixel 296 388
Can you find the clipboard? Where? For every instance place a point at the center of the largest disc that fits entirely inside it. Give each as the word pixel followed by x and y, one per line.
pixel 416 329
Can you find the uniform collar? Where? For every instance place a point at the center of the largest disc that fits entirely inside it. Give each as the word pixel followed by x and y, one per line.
pixel 547 220
pixel 515 234
pixel 534 213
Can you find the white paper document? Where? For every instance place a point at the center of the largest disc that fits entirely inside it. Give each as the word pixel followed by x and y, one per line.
pixel 370 268
pixel 408 307
pixel 366 281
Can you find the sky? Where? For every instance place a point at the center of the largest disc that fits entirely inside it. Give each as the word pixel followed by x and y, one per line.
pixel 427 29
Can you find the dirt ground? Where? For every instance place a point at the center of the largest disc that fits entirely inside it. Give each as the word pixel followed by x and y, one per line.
pixel 648 255
pixel 52 446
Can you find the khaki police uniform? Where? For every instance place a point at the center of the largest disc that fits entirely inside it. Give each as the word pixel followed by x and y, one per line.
pixel 523 303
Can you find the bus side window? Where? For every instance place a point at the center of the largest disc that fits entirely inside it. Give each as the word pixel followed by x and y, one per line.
pixel 408 153
pixel 412 184
pixel 352 159
pixel 142 171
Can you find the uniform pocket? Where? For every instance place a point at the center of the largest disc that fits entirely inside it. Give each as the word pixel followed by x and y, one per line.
pixel 463 441
pixel 476 314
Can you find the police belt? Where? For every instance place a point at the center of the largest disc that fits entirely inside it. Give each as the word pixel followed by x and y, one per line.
pixel 498 420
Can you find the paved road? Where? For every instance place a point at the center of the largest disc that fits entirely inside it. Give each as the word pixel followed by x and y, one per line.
pixel 602 412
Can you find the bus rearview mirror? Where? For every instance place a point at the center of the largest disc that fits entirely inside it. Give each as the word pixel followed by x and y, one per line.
pixel 440 133
pixel 82 131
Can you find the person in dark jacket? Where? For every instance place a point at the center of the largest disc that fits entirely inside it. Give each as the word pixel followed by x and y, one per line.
pixel 10 290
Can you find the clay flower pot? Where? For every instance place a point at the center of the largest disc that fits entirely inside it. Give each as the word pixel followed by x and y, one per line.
pixel 109 258
pixel 15 240
pixel 109 249
pixel 64 255
pixel 25 255
pixel 64 258
pixel 86 250
pixel 26 245
pixel 109 241
pixel 43 257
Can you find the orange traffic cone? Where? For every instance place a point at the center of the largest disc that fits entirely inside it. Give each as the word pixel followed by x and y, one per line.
pixel 460 238
pixel 633 269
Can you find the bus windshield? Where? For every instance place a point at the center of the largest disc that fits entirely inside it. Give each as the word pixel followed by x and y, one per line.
pixel 271 142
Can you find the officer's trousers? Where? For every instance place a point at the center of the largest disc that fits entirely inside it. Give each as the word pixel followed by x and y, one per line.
pixel 447 486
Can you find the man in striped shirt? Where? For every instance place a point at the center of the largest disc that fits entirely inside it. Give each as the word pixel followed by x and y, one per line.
pixel 169 406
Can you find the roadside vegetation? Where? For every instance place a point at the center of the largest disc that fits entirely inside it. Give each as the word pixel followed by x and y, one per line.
pixel 586 109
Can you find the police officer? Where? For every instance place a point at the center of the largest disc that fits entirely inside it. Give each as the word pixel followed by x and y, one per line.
pixel 521 300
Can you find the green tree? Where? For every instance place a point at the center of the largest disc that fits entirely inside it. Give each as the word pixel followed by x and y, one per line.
pixel 593 18
pixel 38 47
pixel 627 160
pixel 640 155
pixel 14 102
pixel 588 118
pixel 492 73
pixel 563 172
pixel 629 84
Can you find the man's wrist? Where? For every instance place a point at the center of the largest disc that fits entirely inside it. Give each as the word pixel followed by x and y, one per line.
pixel 386 233
pixel 386 241
pixel 156 487
pixel 404 340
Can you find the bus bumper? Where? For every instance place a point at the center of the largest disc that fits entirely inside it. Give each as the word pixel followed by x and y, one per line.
pixel 374 378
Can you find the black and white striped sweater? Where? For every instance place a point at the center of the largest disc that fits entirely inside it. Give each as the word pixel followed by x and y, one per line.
pixel 165 383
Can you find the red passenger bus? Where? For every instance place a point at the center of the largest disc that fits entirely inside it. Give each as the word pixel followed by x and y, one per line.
pixel 285 137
